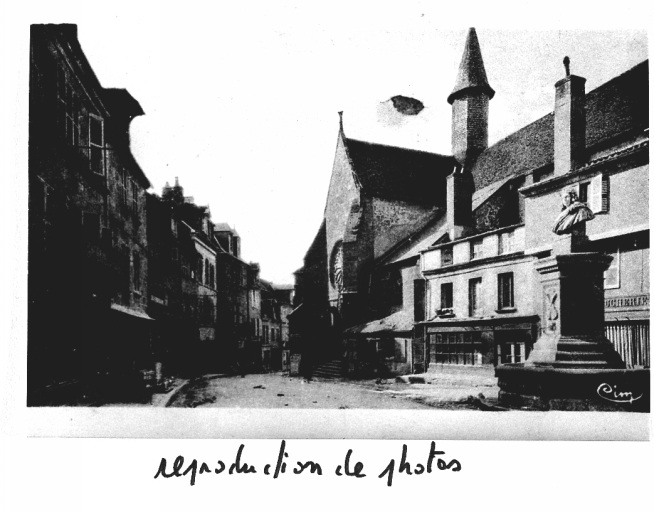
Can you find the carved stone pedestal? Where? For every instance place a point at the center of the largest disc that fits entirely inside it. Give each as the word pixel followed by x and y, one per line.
pixel 572 365
pixel 572 313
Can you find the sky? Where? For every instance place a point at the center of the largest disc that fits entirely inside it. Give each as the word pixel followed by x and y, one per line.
pixel 241 100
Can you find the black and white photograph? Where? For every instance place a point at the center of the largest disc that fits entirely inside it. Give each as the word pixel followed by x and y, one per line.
pixel 276 221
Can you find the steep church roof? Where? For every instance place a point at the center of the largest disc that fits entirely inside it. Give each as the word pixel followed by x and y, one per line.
pixel 399 174
pixel 472 74
pixel 618 107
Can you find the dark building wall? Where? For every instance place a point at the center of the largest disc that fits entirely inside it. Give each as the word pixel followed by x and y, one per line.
pixel 87 240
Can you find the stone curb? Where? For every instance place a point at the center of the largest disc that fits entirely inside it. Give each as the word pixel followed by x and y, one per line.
pixel 174 394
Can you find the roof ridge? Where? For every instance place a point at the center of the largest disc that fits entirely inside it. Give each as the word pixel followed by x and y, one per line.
pixel 350 139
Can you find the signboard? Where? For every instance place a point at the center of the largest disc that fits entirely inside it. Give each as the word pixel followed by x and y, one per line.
pixel 626 302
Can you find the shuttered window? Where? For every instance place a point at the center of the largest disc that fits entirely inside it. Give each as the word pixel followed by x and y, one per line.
pixel 599 194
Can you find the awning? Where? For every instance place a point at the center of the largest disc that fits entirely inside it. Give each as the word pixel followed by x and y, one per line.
pixel 132 312
pixel 400 321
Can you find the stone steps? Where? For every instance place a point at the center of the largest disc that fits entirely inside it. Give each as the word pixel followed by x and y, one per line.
pixel 329 370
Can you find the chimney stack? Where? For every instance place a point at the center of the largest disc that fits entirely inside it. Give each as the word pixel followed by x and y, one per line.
pixel 569 122
pixel 460 187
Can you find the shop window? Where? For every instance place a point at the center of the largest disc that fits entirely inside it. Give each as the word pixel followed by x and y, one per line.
pixel 505 291
pixel 512 346
pixel 456 348
pixel 474 297
pixel 511 353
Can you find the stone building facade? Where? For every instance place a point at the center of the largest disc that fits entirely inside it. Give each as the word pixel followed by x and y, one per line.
pixel 87 232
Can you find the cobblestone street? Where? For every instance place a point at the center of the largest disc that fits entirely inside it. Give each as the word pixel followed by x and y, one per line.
pixel 451 391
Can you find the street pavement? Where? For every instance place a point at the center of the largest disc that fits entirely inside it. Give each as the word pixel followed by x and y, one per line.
pixel 450 390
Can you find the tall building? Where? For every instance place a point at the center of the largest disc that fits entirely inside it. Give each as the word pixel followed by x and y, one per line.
pixel 88 329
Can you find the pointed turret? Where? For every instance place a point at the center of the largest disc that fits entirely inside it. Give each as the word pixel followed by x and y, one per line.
pixel 469 101
pixel 472 74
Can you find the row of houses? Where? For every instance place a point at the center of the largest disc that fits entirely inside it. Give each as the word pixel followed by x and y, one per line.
pixel 126 287
pixel 425 259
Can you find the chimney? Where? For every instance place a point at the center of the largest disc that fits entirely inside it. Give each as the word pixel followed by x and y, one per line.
pixel 569 122
pixel 459 204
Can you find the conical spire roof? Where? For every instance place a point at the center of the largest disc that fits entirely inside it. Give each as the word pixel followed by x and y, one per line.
pixel 472 74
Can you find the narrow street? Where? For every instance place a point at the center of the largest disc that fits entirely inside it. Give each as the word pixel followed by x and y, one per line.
pixel 275 390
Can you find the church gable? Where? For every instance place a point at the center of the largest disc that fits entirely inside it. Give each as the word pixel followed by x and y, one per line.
pixel 342 195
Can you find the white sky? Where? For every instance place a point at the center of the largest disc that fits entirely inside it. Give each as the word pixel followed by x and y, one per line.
pixel 241 100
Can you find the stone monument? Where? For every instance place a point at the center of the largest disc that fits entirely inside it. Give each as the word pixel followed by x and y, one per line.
pixel 572 365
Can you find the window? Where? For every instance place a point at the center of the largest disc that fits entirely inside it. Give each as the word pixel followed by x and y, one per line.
pixel 474 296
pixel 419 293
pixel 446 295
pixel 135 197
pixel 583 191
pixel 512 346
pixel 612 274
pixel 505 291
pixel 597 193
pixel 96 144
pixel 456 348
pixel 68 108
pixel 476 249
pixel 506 243
pixel 543 174
pixel 447 256
pixel 206 272
pixel 511 353
pixel 137 271
pixel 91 224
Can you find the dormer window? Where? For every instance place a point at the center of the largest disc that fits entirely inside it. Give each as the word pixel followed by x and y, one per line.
pixel 506 244
pixel 447 256
pixel 476 249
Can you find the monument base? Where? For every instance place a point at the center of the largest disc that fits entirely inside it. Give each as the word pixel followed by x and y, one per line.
pixel 573 389
pixel 582 351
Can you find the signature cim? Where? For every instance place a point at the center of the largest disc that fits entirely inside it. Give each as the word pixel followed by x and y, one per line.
pixel 611 393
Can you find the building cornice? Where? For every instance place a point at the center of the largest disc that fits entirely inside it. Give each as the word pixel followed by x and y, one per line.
pixel 637 154
pixel 481 262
